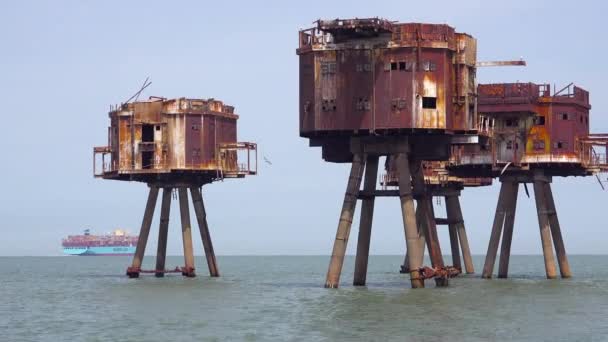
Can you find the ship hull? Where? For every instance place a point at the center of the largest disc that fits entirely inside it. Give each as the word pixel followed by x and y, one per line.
pixel 100 251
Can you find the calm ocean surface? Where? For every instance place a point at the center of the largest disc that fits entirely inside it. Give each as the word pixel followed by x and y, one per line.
pixel 281 298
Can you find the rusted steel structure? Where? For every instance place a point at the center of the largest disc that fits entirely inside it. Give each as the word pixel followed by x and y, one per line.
pixel 371 88
pixel 439 183
pixel 535 134
pixel 174 144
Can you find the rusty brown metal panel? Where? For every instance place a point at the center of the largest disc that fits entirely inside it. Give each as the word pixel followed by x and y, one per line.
pixel 193 146
pixel 355 96
pixel 326 90
pixel 307 93
pixel 394 99
pixel 209 139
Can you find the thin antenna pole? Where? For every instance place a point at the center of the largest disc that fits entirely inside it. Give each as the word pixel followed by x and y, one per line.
pixel 144 86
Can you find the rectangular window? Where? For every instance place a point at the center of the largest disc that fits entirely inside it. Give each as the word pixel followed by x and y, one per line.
pixel 509 145
pixel 147 133
pixel 401 65
pixel 511 123
pixel 429 66
pixel 329 105
pixel 429 102
pixel 397 104
pixel 539 120
pixel 363 104
pixel 328 68
pixel 393 65
pixel 565 116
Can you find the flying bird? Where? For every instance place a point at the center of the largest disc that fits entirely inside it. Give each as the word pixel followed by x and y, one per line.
pixel 267 161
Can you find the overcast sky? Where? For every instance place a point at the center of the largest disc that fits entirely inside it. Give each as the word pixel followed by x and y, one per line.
pixel 64 62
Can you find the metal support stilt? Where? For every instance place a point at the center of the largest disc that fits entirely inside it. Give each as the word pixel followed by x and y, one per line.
pixel 365 223
pixel 499 218
pixel 425 202
pixel 163 229
pixel 556 232
pixel 455 213
pixel 545 230
pixel 507 234
pixel 133 271
pixel 405 268
pixel 408 213
pixel 453 231
pixel 201 216
pixel 345 223
pixel 188 270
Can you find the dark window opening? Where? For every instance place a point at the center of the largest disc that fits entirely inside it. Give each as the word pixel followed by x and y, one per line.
pixel 147 133
pixel 195 127
pixel 401 65
pixel 539 121
pixel 580 119
pixel 398 104
pixel 565 116
pixel 363 104
pixel 147 159
pixel 328 68
pixel 429 66
pixel 429 102
pixel 509 145
pixel 393 65
pixel 329 105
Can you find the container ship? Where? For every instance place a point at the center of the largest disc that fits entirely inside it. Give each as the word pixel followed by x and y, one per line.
pixel 116 243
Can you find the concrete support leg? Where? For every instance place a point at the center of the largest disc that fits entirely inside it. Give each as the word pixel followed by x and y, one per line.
pixel 405 268
pixel 365 224
pixel 432 239
pixel 556 232
pixel 545 230
pixel 408 213
pixel 184 210
pixel 453 230
pixel 201 216
pixel 455 214
pixel 346 221
pixel 161 251
pixel 425 203
pixel 133 271
pixel 499 218
pixel 507 234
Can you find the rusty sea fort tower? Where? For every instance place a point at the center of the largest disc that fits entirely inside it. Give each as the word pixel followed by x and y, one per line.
pixel 170 144
pixel 373 88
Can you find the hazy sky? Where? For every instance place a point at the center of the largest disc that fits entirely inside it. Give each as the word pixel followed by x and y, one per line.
pixel 64 62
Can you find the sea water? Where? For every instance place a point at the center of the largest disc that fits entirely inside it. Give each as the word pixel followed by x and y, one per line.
pixel 281 298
